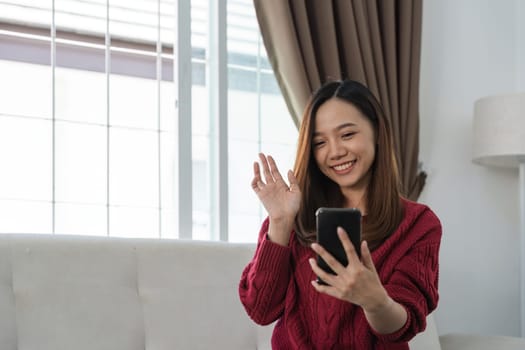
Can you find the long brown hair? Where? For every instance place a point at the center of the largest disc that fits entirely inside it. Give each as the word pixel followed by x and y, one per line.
pixel 383 195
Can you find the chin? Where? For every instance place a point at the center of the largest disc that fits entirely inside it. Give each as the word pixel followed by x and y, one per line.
pixel 346 184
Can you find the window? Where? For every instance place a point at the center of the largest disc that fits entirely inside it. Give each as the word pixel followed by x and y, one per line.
pixel 95 128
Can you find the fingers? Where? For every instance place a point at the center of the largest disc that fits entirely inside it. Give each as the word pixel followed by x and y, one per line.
pixel 270 171
pixel 271 175
pixel 294 185
pixel 351 253
pixel 266 168
pixel 329 259
pixel 325 276
pixel 256 182
pixel 274 170
pixel 367 257
pixel 352 283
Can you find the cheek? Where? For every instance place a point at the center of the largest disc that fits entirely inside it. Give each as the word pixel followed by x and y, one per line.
pixel 318 157
pixel 368 152
pixel 372 156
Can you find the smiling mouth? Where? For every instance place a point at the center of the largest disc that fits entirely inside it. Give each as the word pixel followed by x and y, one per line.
pixel 344 166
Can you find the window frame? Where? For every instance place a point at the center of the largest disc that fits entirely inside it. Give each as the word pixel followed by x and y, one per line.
pixel 38 45
pixel 32 45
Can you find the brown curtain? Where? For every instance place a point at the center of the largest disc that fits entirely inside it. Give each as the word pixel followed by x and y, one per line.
pixel 376 42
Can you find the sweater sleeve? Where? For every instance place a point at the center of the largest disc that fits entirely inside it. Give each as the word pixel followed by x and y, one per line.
pixel 265 279
pixel 414 282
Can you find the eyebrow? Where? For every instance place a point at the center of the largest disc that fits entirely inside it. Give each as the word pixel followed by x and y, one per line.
pixel 339 127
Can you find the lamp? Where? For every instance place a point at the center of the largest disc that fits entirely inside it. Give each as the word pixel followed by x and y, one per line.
pixel 499 140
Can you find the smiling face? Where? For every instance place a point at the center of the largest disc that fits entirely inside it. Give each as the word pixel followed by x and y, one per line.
pixel 344 147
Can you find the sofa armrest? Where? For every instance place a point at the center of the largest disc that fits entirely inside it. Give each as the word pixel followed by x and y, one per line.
pixel 456 341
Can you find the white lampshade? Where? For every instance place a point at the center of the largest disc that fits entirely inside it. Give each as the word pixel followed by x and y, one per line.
pixel 499 130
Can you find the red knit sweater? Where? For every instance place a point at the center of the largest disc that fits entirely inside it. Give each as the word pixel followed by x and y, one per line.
pixel 275 285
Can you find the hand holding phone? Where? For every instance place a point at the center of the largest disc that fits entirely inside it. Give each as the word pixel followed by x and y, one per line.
pixel 328 219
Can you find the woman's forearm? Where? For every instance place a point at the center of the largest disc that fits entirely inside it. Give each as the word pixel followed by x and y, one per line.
pixel 388 317
pixel 279 231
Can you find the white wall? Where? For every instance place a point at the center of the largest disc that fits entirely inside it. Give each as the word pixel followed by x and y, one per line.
pixel 521 44
pixel 471 49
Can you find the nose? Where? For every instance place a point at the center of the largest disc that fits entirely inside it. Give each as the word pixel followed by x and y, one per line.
pixel 336 149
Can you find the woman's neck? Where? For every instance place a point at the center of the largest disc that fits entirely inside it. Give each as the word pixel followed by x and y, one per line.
pixel 356 199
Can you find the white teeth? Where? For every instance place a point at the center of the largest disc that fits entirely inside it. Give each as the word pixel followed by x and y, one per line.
pixel 343 166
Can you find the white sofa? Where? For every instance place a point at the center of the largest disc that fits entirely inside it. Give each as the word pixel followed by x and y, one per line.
pixel 74 293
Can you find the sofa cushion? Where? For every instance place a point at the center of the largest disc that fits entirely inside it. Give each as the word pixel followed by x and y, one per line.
pixel 70 292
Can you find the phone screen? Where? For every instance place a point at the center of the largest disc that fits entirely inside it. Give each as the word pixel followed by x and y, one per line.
pixel 328 219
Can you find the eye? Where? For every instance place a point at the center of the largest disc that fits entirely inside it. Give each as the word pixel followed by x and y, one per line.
pixel 348 135
pixel 318 143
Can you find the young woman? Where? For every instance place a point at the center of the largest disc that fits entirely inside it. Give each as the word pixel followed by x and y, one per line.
pixel 345 158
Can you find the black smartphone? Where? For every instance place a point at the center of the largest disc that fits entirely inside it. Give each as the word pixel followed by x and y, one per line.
pixel 328 219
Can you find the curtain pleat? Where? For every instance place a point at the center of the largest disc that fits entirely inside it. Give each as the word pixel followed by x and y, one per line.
pixel 349 42
pixel 325 38
pixel 415 185
pixel 376 42
pixel 389 45
pixel 277 18
pixel 306 41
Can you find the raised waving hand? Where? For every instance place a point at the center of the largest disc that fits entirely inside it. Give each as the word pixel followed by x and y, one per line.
pixel 280 199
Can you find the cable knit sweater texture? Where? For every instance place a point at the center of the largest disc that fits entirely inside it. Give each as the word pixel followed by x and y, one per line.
pixel 275 286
